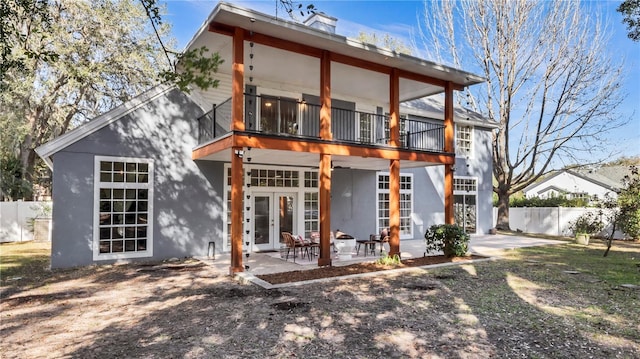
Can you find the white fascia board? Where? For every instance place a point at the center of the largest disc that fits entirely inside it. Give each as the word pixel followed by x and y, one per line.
pixel 50 148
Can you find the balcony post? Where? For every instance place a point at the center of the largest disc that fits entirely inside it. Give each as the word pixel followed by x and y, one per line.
pixel 237 100
pixel 325 96
pixel 237 124
pixel 394 109
pixel 449 147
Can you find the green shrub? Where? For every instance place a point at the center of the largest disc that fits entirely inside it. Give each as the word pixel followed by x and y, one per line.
pixel 560 201
pixel 451 239
pixel 629 203
pixel 587 223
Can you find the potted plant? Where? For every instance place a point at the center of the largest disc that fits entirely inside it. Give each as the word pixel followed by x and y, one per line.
pixel 451 239
pixel 584 226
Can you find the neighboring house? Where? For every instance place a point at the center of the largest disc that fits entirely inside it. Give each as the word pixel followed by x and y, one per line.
pixel 588 184
pixel 310 132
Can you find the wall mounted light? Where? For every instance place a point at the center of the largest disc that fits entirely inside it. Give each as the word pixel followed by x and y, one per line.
pixel 239 153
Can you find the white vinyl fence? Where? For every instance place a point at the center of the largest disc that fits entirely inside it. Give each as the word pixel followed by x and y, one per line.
pixel 550 220
pixel 25 221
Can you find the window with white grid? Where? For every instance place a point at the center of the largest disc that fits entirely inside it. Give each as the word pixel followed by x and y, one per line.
pixel 406 203
pixel 464 141
pixel 463 184
pixel 311 213
pixel 310 179
pixel 274 178
pixel 123 208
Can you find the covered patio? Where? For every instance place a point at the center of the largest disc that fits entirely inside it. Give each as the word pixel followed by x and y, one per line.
pixel 480 244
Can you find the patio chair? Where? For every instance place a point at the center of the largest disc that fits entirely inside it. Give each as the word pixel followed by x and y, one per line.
pixel 293 243
pixel 369 245
pixel 315 238
pixel 381 238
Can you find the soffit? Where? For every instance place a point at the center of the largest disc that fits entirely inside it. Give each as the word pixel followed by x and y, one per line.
pixel 232 15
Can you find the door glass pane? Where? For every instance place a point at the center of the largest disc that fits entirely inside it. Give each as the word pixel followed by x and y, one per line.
pixel 269 114
pixel 285 213
pixel 458 209
pixel 261 230
pixel 470 213
pixel 288 117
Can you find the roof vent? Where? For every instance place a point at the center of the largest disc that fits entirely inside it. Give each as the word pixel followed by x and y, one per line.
pixel 322 22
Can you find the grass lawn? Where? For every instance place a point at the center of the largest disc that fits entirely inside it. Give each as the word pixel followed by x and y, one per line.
pixel 24 261
pixel 556 293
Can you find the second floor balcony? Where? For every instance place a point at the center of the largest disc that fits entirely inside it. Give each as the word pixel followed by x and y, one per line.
pixel 300 119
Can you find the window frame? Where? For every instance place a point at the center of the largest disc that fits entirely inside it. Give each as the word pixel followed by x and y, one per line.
pixel 471 141
pixel 149 186
pixel 457 191
pixel 409 191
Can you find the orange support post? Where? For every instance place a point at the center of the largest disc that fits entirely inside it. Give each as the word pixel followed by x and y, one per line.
pixel 449 146
pixel 237 124
pixel 325 160
pixel 394 108
pixel 236 211
pixel 394 207
pixel 325 96
pixel 325 210
pixel 237 69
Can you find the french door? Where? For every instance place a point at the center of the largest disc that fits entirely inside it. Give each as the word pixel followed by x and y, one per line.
pixel 273 213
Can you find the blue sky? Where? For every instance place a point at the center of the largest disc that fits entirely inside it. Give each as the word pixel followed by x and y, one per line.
pixel 400 18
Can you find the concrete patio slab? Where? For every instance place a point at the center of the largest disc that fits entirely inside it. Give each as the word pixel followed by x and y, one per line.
pixel 265 263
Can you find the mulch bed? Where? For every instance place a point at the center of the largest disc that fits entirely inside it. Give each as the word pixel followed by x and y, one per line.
pixel 357 268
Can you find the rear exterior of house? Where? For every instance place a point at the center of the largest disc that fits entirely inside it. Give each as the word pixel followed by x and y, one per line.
pixel 307 132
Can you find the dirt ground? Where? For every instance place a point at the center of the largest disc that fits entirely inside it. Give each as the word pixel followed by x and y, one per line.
pixel 357 268
pixel 513 308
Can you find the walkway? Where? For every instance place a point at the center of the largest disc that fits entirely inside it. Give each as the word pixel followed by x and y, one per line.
pixel 264 263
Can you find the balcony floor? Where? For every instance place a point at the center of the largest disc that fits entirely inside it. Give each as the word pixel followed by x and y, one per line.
pixel 299 154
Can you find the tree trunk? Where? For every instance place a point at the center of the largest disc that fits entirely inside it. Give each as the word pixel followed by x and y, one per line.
pixel 502 222
pixel 610 239
pixel 27 158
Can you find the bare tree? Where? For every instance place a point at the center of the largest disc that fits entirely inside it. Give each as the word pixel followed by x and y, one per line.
pixel 551 82
pixel 386 41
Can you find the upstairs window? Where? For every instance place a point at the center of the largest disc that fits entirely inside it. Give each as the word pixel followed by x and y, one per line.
pixel 464 141
pixel 279 115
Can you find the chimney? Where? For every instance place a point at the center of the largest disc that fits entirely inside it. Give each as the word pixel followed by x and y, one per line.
pixel 322 22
